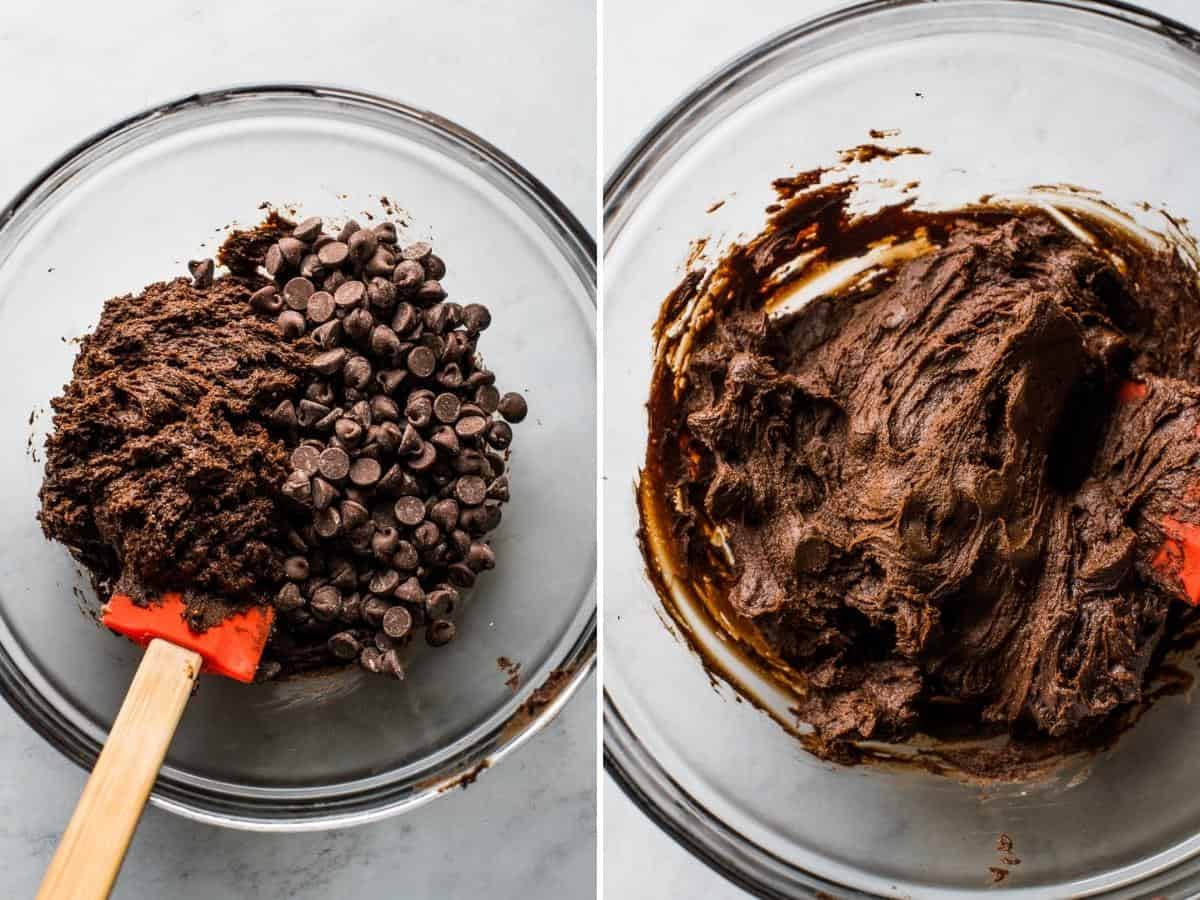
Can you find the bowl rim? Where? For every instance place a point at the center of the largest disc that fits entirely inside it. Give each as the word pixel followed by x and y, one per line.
pixel 354 807
pixel 629 762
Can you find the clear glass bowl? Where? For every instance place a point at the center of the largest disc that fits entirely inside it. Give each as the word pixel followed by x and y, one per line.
pixel 129 207
pixel 1006 94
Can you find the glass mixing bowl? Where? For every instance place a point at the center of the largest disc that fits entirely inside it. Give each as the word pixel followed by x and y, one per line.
pixel 129 207
pixel 1006 94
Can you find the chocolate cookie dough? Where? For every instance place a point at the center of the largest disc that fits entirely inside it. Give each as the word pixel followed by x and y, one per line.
pixel 937 493
pixel 314 430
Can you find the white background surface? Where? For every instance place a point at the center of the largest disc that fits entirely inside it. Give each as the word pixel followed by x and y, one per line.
pixel 654 52
pixel 526 828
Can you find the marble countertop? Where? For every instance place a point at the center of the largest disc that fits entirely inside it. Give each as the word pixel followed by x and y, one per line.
pixel 653 54
pixel 526 828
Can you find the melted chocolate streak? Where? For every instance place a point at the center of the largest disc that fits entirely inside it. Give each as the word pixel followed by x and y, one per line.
pixel 940 517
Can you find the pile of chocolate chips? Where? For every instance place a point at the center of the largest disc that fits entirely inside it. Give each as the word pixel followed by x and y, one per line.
pixel 398 470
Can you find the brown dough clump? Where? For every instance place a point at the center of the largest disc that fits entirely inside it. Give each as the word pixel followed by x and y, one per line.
pixel 938 509
pixel 160 466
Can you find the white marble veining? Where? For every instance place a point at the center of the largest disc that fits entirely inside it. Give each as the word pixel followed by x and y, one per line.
pixel 653 54
pixel 523 79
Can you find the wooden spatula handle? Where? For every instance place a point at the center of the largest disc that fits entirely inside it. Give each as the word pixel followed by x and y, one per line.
pixel 92 848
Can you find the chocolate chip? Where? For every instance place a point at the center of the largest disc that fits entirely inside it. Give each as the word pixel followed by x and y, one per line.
pixel 430 292
pixel 424 460
pixel 292 250
pixel 461 575
pixel 295 568
pixel 435 268
pixel 351 611
pixel 385 232
pixel 371 659
pixel 416 251
pixel 480 377
pixel 446 407
pixel 333 254
pixel 297 541
pixel 381 294
pixel 445 440
pixel 365 472
pixel 470 490
pixel 499 435
pixel 470 427
pixel 361 245
pixel 348 231
pixel 406 558
pixel 357 372
pixel 325 603
pixel 274 262
pixel 408 276
pixel 450 376
pixel 320 307
pixel 266 300
pixel 298 488
pixel 410 592
pixel 289 598
pixel 373 609
pixel 498 489
pixel 350 294
pixel 380 267
pixel 311 268
pixel 202 272
pixel 384 543
pixel 327 522
pixel 481 557
pixel 422 362
pixel 397 622
pixel 469 462
pixel 384 408
pixel 354 514
pixel 306 458
pixel 326 422
pixel 426 535
pixel 342 574
pixel 384 581
pixel 344 645
pixel 384 342
pixel 487 398
pixel 321 392
pixel 308 230
pixel 330 361
pixel 436 318
pixel 409 511
pixel 513 407
pixel 323 494
pixel 389 380
pixel 441 602
pixel 291 323
pixel 334 463
pixel 358 324
pixel 389 664
pixel 405 319
pixel 476 317
pixel 419 410
pixel 440 632
pixel 284 415
pixel 349 432
pixel 444 514
pixel 460 541
pixel 492 518
pixel 334 280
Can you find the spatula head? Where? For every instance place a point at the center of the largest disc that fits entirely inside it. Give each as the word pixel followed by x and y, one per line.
pixel 233 648
pixel 1177 560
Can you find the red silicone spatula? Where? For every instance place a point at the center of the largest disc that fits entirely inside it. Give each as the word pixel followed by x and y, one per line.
pixel 1177 560
pixel 89 856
